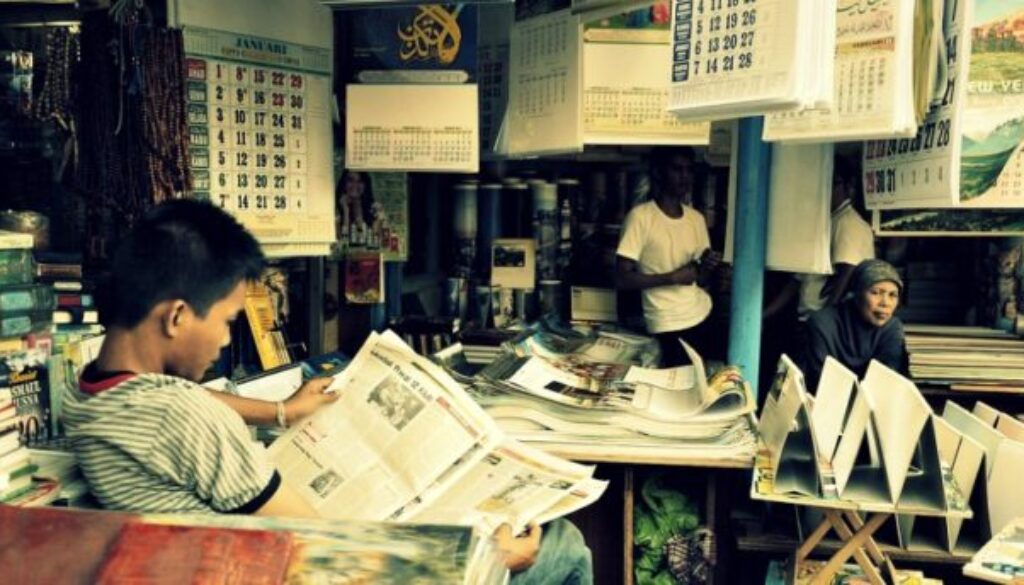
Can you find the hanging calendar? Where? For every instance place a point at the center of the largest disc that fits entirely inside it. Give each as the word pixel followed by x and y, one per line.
pixel 924 171
pixel 260 133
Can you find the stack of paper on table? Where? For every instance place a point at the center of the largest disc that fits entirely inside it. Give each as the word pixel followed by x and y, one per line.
pixel 732 59
pixel 405 442
pixel 966 356
pixel 1001 560
pixel 801 178
pixel 589 394
pixel 874 93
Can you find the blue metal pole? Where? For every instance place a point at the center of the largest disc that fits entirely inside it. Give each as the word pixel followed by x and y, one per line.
pixel 749 244
pixel 393 289
pixel 382 313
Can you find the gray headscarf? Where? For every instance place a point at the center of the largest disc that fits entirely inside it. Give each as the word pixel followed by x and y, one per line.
pixel 870 272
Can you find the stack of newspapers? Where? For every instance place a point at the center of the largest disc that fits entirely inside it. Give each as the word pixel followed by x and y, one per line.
pixel 405 442
pixel 594 393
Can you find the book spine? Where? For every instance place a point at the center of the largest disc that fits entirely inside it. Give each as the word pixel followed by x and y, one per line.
pixel 75 300
pixel 23 323
pixel 15 241
pixel 16 267
pixel 59 271
pixel 75 316
pixel 26 298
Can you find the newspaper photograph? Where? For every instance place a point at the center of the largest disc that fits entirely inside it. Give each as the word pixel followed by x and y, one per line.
pixel 392 433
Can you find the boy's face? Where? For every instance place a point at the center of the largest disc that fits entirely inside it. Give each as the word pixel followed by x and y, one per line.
pixel 202 338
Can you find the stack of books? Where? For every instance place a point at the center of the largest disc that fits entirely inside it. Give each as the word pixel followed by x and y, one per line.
pixel 15 468
pixel 25 307
pixel 966 358
pixel 75 315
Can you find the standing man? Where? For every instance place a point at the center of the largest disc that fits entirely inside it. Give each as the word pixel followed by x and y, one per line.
pixel 665 252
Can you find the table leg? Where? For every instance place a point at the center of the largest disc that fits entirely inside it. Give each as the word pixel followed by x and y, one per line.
pixel 812 540
pixel 859 555
pixel 627 525
pixel 880 558
pixel 856 542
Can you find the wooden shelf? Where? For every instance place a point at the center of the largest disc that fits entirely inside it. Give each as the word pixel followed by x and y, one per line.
pixel 780 544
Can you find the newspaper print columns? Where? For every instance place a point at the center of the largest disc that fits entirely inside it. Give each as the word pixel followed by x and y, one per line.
pixel 751 217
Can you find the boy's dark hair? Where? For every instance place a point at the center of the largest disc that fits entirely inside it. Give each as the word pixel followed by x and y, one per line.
pixel 181 249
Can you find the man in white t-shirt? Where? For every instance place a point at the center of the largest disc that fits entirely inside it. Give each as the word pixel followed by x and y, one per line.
pixel 665 252
pixel 852 243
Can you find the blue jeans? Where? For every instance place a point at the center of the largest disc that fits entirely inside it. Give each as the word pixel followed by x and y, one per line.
pixel 563 558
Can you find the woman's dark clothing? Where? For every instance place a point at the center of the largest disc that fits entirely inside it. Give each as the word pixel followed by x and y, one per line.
pixel 841 332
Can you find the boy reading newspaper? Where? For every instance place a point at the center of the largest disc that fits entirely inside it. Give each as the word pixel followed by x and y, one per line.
pixel 150 439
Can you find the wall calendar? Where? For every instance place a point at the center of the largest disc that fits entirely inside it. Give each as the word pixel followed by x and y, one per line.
pixel 259 129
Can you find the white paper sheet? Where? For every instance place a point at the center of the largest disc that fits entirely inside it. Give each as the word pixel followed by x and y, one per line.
pixel 832 400
pixel 545 85
pixel 801 178
pixel 900 414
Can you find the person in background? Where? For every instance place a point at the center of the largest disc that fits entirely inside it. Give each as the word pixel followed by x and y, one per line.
pixel 861 328
pixel 665 252
pixel 851 243
pixel 148 438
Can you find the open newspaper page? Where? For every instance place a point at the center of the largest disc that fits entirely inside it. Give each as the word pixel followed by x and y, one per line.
pixel 580 496
pixel 512 484
pixel 394 431
pixel 607 347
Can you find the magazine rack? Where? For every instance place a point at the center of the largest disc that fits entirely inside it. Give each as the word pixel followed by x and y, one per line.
pixel 844 517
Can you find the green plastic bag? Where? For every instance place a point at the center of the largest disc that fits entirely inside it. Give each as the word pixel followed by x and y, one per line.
pixel 662 513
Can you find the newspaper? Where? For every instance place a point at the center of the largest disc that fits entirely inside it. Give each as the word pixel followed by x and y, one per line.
pixel 1001 560
pixel 667 395
pixel 513 483
pixel 405 441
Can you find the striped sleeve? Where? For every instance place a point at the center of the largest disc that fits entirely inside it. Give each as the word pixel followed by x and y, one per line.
pixel 207 445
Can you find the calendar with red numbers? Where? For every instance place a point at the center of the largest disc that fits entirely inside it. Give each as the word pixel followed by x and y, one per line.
pixel 260 133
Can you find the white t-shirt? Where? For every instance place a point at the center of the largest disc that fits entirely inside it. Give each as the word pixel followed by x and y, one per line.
pixel 660 244
pixel 852 243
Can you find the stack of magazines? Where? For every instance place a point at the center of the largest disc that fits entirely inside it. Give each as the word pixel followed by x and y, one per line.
pixel 594 392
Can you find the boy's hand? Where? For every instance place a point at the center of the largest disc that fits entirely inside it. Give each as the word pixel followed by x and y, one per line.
pixel 308 398
pixel 518 552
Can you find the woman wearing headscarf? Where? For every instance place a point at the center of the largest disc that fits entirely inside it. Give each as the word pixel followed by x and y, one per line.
pixel 861 328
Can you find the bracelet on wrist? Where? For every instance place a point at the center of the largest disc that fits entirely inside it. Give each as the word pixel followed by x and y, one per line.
pixel 282 418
